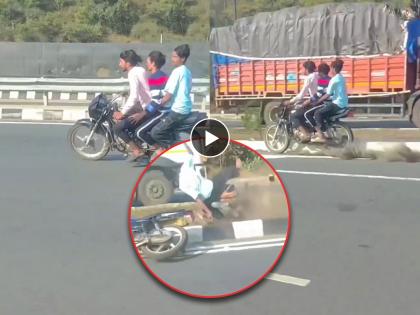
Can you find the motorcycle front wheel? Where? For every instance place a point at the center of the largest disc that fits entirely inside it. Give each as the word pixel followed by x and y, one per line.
pixel 277 138
pixel 163 250
pixel 96 149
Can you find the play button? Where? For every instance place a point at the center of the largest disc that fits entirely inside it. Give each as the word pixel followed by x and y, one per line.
pixel 210 137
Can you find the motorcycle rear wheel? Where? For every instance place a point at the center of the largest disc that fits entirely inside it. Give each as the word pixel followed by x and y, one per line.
pixel 340 134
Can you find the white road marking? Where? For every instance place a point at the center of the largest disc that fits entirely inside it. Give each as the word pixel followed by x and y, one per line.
pixel 35 123
pixel 288 279
pixel 225 249
pixel 410 179
pixel 248 228
pixel 380 129
pixel 238 244
pixel 280 156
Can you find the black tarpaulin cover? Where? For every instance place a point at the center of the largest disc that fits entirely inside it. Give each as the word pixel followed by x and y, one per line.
pixel 323 30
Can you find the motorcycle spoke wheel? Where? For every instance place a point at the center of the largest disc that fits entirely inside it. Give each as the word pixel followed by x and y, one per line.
pixel 339 134
pixel 95 149
pixel 166 250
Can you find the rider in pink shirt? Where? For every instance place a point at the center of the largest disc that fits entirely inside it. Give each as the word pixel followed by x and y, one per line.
pixel 139 98
pixel 139 90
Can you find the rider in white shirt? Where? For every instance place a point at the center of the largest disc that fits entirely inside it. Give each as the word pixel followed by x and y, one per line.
pixel 310 88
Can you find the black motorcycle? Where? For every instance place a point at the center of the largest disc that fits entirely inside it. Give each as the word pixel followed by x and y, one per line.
pixel 278 136
pixel 93 138
pixel 156 241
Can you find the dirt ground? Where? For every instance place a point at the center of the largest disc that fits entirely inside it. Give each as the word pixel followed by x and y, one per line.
pixel 262 200
pixel 260 194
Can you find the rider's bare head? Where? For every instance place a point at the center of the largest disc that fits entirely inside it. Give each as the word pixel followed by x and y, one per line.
pixel 309 67
pixel 324 69
pixel 337 66
pixel 180 55
pixel 129 59
pixel 155 61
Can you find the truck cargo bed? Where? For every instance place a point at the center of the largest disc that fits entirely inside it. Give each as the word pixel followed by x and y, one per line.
pixel 283 77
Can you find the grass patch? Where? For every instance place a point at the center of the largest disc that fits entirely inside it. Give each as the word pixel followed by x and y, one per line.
pixel 251 119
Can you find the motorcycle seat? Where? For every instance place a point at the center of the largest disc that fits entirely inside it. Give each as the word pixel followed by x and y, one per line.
pixel 340 114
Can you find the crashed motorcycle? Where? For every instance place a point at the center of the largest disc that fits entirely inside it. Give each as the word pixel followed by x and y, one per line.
pixel 94 138
pixel 158 241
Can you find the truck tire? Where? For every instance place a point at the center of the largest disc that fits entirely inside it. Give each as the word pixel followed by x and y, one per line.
pixel 154 188
pixel 270 113
pixel 415 117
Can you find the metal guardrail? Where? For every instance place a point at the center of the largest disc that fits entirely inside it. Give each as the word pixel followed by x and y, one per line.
pixel 391 103
pixel 29 89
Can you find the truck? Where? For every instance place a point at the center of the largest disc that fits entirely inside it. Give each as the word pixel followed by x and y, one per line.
pixel 381 82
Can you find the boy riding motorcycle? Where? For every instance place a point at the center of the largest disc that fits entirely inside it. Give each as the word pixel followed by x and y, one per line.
pixel 337 91
pixel 176 97
pixel 157 81
pixel 138 99
pixel 177 94
pixel 323 81
pixel 310 87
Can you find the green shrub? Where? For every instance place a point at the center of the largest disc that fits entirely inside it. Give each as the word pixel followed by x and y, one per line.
pixel 250 160
pixel 174 15
pixel 251 118
pixel 120 17
pixel 83 33
pixel 146 30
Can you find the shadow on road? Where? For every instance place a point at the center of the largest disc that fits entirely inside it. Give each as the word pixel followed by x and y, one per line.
pixel 114 158
pixel 180 258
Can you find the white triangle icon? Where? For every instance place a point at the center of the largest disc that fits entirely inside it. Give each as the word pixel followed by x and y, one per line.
pixel 209 138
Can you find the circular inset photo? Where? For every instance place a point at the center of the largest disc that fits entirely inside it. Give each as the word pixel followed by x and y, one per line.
pixel 209 227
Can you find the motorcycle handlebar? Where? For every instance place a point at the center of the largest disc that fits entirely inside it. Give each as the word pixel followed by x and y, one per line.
pixel 113 106
pixel 117 96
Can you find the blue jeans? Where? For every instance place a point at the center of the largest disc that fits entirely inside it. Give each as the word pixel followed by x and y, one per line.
pixel 329 109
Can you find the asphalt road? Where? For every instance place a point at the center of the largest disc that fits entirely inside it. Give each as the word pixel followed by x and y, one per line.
pixel 217 273
pixel 66 250
pixel 355 238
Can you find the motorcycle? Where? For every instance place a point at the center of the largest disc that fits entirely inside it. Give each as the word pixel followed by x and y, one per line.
pixel 94 138
pixel 160 242
pixel 278 136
